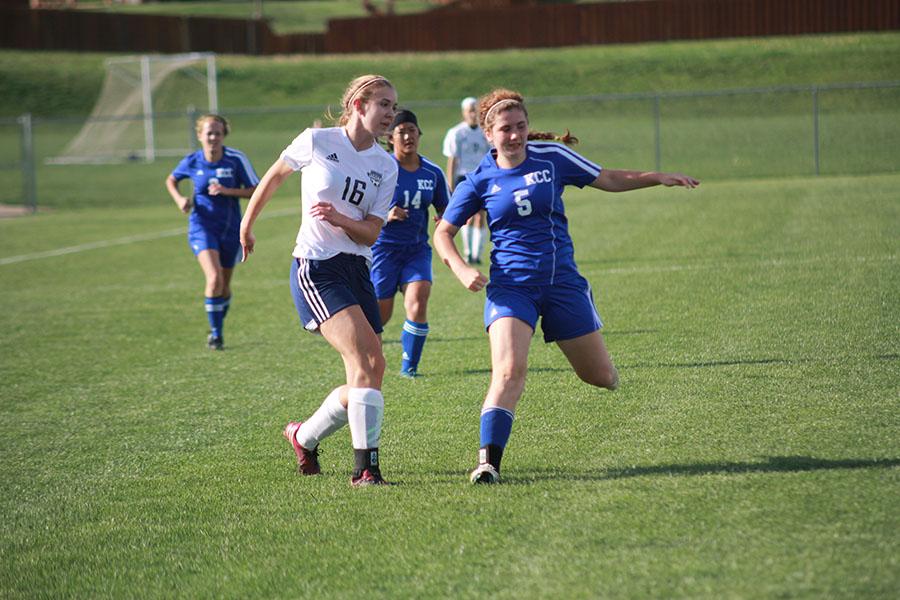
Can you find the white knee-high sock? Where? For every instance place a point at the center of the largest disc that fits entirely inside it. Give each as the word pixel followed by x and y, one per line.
pixel 466 232
pixel 329 417
pixel 365 409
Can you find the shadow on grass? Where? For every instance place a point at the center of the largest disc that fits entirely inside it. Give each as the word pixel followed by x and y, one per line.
pixel 720 363
pixel 530 370
pixel 773 464
pixel 746 361
pixel 435 340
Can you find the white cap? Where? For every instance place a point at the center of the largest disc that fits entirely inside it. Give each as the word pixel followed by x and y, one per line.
pixel 467 102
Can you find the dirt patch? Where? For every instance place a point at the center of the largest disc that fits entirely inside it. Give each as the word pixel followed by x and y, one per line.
pixel 7 211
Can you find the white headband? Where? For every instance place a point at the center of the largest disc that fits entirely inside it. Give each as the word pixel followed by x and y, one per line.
pixel 496 104
pixel 364 86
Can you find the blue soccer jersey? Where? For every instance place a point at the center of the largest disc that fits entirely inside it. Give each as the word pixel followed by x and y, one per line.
pixel 415 191
pixel 233 170
pixel 526 217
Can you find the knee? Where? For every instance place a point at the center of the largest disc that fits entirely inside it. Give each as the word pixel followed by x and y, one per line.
pixel 605 378
pixel 215 280
pixel 415 307
pixel 509 377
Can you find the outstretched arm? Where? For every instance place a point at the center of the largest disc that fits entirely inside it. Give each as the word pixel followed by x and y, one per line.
pixel 471 278
pixel 613 180
pixel 271 181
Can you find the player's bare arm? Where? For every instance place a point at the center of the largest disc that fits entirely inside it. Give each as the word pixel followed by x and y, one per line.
pixel 271 181
pixel 217 189
pixel 617 180
pixel 471 278
pixel 362 232
pixel 183 202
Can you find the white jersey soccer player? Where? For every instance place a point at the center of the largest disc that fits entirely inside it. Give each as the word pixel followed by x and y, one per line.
pixel 464 147
pixel 332 168
pixel 347 186
pixel 468 145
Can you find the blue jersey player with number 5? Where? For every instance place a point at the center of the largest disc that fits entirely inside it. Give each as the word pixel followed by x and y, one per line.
pixel 533 272
pixel 401 258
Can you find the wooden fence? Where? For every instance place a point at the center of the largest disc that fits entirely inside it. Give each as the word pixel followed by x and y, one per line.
pixel 546 25
pixel 78 30
pixel 608 23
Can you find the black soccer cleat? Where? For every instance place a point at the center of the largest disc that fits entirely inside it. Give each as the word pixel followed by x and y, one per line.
pixel 215 343
pixel 485 473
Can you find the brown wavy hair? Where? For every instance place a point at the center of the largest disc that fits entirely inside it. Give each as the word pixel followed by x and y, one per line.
pixel 500 100
pixel 198 125
pixel 362 88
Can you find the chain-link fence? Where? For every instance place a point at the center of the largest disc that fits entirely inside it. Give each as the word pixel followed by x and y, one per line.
pixel 845 129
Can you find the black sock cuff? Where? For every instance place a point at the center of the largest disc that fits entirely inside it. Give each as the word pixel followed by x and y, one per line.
pixel 366 458
pixel 491 454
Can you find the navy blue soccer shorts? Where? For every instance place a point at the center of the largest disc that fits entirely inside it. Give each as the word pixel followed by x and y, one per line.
pixel 227 243
pixel 394 266
pixel 566 309
pixel 322 288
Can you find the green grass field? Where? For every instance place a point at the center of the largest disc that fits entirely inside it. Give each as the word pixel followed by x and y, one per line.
pixel 751 452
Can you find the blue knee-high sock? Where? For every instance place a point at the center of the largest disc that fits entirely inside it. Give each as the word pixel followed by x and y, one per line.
pixel 412 340
pixel 496 425
pixel 215 314
pixel 226 302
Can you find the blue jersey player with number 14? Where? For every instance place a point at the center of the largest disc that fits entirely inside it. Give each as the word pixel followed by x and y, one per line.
pixel 401 258
pixel 533 272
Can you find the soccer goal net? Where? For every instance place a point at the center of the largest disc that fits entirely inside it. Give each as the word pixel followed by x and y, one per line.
pixel 145 109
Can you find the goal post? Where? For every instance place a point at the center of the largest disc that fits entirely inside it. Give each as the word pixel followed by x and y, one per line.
pixel 140 112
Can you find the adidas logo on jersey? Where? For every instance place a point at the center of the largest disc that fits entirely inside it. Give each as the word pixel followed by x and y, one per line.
pixel 333 157
pixel 495 189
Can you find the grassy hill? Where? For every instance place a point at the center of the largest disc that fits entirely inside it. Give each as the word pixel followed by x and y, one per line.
pixel 54 84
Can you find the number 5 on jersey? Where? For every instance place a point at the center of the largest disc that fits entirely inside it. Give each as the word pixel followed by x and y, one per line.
pixel 523 204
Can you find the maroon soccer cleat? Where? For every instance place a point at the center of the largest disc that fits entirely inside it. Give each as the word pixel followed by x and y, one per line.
pixel 307 460
pixel 367 478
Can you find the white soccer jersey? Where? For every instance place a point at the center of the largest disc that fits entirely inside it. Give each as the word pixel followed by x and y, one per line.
pixel 468 145
pixel 357 184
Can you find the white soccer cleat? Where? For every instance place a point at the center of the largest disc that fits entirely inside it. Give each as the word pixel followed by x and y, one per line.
pixel 485 473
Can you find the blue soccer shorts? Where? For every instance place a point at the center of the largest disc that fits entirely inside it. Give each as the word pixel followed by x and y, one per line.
pixel 227 243
pixel 322 288
pixel 566 309
pixel 395 266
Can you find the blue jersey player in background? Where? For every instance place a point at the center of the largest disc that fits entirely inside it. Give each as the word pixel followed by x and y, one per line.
pixel 401 258
pixel 533 272
pixel 220 176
